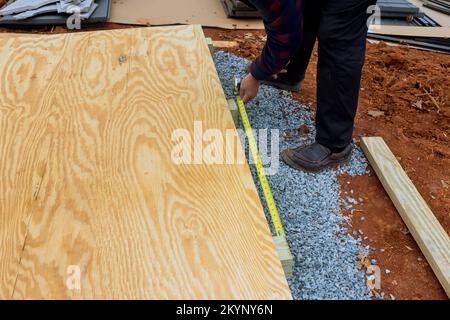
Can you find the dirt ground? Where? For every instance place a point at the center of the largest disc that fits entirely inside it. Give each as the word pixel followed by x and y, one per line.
pixel 405 99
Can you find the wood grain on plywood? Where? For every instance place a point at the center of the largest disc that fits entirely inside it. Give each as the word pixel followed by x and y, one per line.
pixel 96 190
pixel 420 220
pixel 29 81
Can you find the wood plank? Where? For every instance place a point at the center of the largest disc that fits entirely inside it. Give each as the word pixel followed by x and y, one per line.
pixel 220 44
pixel 420 220
pixel 95 183
pixel 210 44
pixel 284 252
pixel 234 109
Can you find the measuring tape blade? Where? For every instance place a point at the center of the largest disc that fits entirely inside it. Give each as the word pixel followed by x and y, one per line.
pixel 260 169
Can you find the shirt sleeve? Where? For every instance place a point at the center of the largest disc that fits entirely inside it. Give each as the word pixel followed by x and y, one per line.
pixel 283 24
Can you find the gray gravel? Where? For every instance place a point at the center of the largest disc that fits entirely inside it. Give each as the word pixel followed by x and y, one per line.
pixel 309 204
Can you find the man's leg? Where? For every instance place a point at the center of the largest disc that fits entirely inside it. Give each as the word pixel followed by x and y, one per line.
pixel 296 69
pixel 342 40
pixel 342 43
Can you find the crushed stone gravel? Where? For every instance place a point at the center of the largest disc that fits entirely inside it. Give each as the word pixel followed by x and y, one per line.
pixel 325 253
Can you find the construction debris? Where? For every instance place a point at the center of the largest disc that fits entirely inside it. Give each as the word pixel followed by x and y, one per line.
pixel 53 11
pixel 438 5
pixel 23 9
pixel 238 9
pixel 398 9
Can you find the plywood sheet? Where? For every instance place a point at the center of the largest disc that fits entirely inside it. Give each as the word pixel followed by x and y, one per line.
pixel 88 190
pixel 208 13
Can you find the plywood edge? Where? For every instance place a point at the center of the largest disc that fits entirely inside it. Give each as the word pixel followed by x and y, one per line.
pixel 420 220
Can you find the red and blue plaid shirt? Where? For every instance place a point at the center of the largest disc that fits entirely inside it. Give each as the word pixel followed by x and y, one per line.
pixel 283 24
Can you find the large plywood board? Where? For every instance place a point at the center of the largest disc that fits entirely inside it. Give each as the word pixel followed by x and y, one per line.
pixel 208 13
pixel 91 203
pixel 420 220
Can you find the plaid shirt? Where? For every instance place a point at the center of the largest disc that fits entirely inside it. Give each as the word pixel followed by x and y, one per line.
pixel 283 24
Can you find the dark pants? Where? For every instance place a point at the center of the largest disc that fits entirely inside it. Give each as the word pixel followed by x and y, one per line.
pixel 341 29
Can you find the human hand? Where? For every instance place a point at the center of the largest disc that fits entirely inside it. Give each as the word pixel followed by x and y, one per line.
pixel 249 88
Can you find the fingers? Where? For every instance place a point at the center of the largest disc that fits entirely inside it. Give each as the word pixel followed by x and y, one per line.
pixel 242 93
pixel 248 96
pixel 249 88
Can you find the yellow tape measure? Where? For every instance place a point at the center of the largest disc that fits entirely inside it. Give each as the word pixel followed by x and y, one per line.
pixel 260 169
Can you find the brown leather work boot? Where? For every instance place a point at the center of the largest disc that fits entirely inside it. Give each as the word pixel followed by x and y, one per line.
pixel 315 157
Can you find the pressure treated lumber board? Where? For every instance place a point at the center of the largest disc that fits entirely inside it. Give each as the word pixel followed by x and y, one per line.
pixel 87 180
pixel 284 252
pixel 420 220
pixel 208 13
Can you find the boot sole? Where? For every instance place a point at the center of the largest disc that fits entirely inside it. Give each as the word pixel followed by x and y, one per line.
pixel 328 164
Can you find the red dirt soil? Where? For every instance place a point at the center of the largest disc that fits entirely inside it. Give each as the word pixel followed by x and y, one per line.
pixel 405 99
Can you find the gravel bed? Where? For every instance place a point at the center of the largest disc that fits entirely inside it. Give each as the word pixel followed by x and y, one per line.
pixel 309 204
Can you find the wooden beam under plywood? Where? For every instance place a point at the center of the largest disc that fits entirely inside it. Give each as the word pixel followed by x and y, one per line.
pixel 232 105
pixel 210 44
pixel 284 252
pixel 420 220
